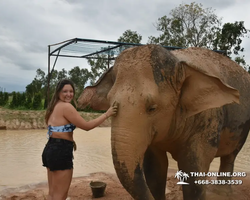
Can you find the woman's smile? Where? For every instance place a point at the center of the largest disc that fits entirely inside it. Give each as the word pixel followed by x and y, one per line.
pixel 67 93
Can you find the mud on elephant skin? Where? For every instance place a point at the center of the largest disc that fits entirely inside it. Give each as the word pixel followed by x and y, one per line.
pixel 193 103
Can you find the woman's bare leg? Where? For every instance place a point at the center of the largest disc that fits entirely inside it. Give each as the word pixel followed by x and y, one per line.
pixel 49 175
pixel 61 180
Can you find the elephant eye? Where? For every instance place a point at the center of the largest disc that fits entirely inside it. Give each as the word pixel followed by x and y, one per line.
pixel 151 108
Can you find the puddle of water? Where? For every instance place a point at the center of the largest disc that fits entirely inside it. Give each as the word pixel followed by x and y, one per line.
pixel 20 155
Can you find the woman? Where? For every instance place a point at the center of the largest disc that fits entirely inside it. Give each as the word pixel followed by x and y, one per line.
pixel 62 118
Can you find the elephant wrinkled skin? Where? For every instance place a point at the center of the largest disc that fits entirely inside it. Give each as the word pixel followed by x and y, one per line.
pixel 193 103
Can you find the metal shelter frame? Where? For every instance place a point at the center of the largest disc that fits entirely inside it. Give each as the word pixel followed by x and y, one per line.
pixel 87 48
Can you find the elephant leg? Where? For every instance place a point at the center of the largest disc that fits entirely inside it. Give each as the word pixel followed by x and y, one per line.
pixel 227 165
pixel 155 169
pixel 195 157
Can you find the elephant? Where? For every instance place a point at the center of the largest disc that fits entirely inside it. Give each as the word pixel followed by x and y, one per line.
pixel 193 103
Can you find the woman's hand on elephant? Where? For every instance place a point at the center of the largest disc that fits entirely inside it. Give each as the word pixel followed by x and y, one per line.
pixel 112 111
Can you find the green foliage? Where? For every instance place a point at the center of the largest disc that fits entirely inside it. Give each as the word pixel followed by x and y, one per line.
pixel 37 84
pixel 20 98
pixel 103 62
pixel 63 74
pixel 40 82
pixel 241 61
pixel 98 66
pixel 188 25
pixel 130 37
pixel 37 101
pixel 28 102
pixel 1 99
pixel 23 101
pixel 4 98
pixel 14 102
pixel 80 78
pixel 229 38
pixel 45 102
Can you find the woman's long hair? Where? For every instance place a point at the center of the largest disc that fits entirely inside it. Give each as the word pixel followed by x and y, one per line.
pixel 55 97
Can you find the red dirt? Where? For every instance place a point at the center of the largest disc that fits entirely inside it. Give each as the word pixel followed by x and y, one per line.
pixel 80 190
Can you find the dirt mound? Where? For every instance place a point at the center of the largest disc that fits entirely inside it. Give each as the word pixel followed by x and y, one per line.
pixel 32 119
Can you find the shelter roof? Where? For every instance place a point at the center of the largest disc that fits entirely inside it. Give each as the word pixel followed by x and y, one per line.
pixel 89 48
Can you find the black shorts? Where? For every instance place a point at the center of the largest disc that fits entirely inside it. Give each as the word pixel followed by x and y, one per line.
pixel 58 154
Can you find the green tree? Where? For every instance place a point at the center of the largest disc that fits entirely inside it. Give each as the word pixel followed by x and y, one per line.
pixel 104 61
pixel 5 98
pixel 37 101
pixel 192 25
pixel 1 99
pixel 37 84
pixel 18 99
pixel 30 89
pixel 53 80
pixel 28 102
pixel 63 74
pixel 13 103
pixel 23 99
pixel 130 37
pixel 98 67
pixel 19 102
pixel 229 39
pixel 80 78
pixel 188 25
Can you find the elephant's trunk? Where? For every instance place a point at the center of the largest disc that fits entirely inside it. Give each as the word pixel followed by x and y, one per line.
pixel 128 153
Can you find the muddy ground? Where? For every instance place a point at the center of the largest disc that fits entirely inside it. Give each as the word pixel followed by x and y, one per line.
pixel 81 190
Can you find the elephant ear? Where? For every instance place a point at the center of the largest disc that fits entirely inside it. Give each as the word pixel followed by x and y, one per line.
pixel 202 90
pixel 96 96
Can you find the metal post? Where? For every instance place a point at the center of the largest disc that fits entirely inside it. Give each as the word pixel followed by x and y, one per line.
pixel 108 61
pixel 48 98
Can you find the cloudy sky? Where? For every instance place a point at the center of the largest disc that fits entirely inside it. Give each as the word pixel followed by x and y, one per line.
pixel 27 27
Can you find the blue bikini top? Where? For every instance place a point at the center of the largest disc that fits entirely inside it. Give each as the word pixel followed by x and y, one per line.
pixel 63 128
